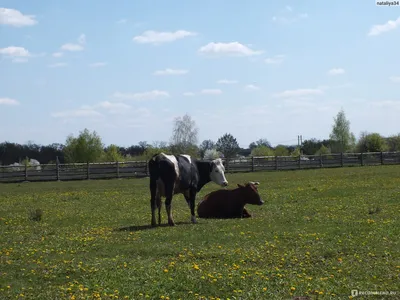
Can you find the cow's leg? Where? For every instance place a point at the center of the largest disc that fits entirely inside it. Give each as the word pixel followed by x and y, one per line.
pixel 153 192
pixel 192 198
pixel 168 202
pixel 158 204
pixel 245 213
pixel 188 198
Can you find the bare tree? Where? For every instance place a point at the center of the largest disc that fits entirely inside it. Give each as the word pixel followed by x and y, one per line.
pixel 143 145
pixel 159 144
pixel 185 132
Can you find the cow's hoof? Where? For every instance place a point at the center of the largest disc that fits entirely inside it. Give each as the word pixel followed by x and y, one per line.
pixel 171 223
pixel 193 219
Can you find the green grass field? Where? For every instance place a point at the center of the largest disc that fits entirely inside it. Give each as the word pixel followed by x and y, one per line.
pixel 320 233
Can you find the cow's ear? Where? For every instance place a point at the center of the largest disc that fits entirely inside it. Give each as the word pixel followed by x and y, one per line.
pixel 239 185
pixel 212 165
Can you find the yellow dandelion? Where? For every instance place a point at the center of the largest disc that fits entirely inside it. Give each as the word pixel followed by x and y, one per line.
pixel 196 267
pixel 292 288
pixel 165 270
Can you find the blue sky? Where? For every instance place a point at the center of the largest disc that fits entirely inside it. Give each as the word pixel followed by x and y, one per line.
pixel 268 69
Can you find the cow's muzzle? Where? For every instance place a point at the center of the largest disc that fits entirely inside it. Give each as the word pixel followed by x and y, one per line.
pixel 225 183
pixel 261 202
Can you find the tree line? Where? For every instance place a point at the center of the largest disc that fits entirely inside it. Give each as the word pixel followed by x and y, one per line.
pixel 88 146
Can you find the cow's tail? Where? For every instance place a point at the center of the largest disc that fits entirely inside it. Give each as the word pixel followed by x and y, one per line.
pixel 154 167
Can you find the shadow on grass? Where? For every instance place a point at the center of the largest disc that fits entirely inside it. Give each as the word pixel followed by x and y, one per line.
pixel 147 227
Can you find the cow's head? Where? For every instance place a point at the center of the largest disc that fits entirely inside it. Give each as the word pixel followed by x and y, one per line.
pixel 251 194
pixel 217 172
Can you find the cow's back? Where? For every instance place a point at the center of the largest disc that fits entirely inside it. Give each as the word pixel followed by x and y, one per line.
pixel 214 204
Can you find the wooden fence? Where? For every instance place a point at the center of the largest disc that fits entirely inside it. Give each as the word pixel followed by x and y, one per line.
pixel 82 171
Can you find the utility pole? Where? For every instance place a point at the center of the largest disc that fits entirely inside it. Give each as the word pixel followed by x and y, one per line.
pixel 301 144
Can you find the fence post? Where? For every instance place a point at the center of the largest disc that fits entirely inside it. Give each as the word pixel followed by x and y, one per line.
pixel 362 159
pixel 117 166
pixel 320 160
pixel 146 170
pixel 26 170
pixel 276 162
pixel 299 161
pixel 87 171
pixel 252 163
pixel 382 162
pixel 57 171
pixel 341 159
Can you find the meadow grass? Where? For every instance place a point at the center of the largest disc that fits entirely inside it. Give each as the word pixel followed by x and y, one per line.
pixel 320 233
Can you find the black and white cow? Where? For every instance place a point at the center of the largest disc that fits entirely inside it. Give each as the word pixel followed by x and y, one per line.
pixel 180 174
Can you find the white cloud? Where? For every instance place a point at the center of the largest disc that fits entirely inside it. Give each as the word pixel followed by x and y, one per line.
pixel 137 118
pixel 16 54
pixel 288 20
pixel 288 16
pixel 390 104
pixel 157 37
pixel 20 60
pixel 336 71
pixel 381 28
pixel 93 110
pixel 227 81
pixel 82 39
pixel 170 72
pixel 339 86
pixel 78 113
pixel 122 21
pixel 75 47
pixel 141 96
pixel 251 87
pixel 58 65
pixel 15 51
pixel 113 107
pixel 8 101
pixel 299 93
pixel 58 54
pixel 211 91
pixel 229 49
pixel 97 64
pixel 277 59
pixel 395 78
pixel 13 17
pixel 188 94
pixel 71 47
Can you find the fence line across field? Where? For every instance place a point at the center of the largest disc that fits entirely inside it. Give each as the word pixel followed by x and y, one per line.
pixel 129 169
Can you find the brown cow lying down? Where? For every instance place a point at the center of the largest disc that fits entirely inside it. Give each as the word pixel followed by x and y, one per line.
pixel 226 203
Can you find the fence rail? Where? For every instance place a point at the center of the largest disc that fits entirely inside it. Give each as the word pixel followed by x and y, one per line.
pixel 82 171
